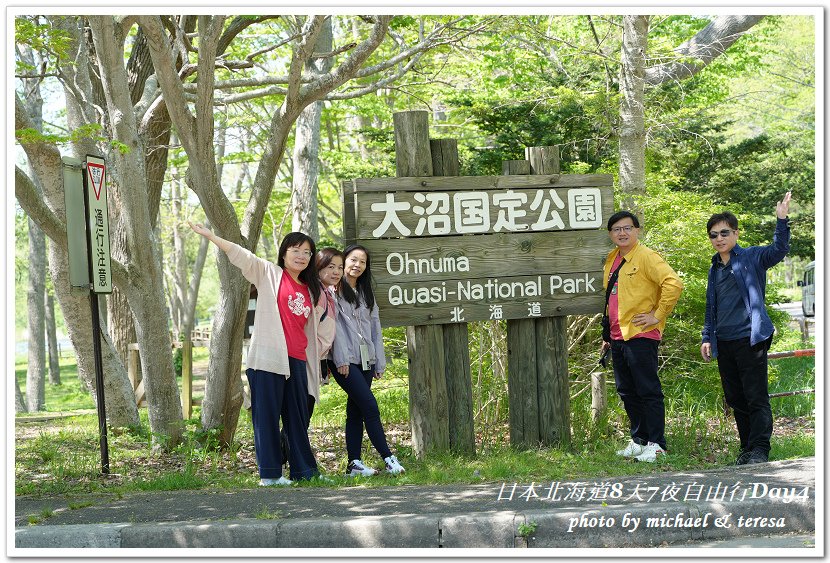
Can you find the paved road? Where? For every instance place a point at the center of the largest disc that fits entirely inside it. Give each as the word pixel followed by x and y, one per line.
pixel 797 314
pixel 634 511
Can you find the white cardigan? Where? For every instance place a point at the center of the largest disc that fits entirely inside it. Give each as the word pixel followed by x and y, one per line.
pixel 268 350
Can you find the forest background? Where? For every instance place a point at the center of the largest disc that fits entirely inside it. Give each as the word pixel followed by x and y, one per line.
pixel 250 123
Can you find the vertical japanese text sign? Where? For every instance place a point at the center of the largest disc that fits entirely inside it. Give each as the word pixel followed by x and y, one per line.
pixel 99 237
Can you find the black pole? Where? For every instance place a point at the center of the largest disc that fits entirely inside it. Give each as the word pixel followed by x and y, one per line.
pixel 96 343
pixel 99 382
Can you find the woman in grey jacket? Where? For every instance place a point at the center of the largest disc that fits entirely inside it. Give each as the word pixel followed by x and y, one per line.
pixel 358 357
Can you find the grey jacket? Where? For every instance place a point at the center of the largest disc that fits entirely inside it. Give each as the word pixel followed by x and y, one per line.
pixel 355 326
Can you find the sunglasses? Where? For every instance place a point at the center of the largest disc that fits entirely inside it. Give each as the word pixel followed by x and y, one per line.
pixel 722 233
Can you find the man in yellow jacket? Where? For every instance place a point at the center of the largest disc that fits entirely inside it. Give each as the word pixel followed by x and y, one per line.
pixel 643 291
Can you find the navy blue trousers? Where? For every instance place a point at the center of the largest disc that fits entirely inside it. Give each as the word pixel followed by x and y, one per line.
pixel 635 373
pixel 273 397
pixel 361 409
pixel 743 374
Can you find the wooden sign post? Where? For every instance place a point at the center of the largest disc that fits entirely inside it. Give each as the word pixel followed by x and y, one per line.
pixel 447 249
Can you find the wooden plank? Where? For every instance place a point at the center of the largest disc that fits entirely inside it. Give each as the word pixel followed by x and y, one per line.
pixel 187 379
pixel 452 183
pixel 475 212
pixel 521 383
pixel 543 160
pixel 425 344
pixel 461 426
pixel 133 366
pixel 460 420
pixel 486 256
pixel 412 154
pixel 552 381
pixel 515 167
pixel 427 389
pixel 349 219
pixel 551 339
pixel 444 157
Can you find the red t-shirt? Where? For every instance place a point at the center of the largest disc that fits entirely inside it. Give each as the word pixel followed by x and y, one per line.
pixel 613 316
pixel 294 304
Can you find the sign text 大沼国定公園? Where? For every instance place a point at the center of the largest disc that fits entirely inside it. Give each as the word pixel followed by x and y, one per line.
pixel 459 249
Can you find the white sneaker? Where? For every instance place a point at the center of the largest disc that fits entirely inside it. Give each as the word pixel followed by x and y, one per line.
pixel 633 449
pixel 281 482
pixel 356 468
pixel 650 453
pixel 393 466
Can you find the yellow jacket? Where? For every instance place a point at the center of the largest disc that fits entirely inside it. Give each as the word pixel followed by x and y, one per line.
pixel 646 283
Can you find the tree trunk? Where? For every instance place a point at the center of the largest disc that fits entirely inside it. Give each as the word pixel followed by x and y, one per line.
pixel 307 147
pixel 118 392
pixel 632 114
pixel 52 341
pixel 19 401
pixel 36 302
pixel 145 284
pixel 36 295
pixel 223 387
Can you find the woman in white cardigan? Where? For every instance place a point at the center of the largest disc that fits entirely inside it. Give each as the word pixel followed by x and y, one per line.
pixel 283 356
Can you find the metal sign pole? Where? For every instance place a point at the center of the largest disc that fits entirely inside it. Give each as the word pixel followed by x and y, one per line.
pixel 96 320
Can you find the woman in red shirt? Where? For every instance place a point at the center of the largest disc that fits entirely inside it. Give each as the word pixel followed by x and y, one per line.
pixel 283 355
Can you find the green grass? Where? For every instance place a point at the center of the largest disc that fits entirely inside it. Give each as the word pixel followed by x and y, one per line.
pixel 61 456
pixel 70 395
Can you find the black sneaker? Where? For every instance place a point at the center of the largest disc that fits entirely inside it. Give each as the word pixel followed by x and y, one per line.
pixel 757 456
pixel 743 457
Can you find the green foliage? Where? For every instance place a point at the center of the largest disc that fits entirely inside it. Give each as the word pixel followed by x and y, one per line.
pixel 39 36
pixel 87 131
pixel 527 529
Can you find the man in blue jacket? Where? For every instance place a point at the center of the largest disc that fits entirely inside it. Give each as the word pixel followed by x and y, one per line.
pixel 737 330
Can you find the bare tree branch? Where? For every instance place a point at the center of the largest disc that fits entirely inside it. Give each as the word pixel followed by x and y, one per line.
pixel 705 46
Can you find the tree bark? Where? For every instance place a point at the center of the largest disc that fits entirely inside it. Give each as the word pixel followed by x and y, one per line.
pixel 307 147
pixel 707 44
pixel 52 341
pixel 36 302
pixel 36 294
pixel 223 397
pixel 703 48
pixel 144 287
pixel 19 401
pixel 632 108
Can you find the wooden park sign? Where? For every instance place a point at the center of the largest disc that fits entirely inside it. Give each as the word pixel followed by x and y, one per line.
pixel 527 246
pixel 460 249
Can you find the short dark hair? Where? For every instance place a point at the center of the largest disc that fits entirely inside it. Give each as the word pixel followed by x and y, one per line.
pixel 620 215
pixel 309 275
pixel 723 217
pixel 325 255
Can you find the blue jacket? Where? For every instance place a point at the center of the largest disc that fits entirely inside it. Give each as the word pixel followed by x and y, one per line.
pixel 750 267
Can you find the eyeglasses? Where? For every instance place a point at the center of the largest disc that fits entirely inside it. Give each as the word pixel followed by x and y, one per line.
pixel 722 233
pixel 306 253
pixel 618 230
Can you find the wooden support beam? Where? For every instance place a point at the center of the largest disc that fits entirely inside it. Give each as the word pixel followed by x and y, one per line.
pixel 425 344
pixel 460 422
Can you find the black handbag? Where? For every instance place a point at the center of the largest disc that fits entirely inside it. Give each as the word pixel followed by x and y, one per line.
pixel 606 320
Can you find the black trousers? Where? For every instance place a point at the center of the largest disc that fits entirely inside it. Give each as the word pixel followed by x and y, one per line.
pixel 635 373
pixel 361 410
pixel 743 374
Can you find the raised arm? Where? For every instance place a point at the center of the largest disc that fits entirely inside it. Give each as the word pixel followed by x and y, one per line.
pixel 223 244
pixel 782 208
